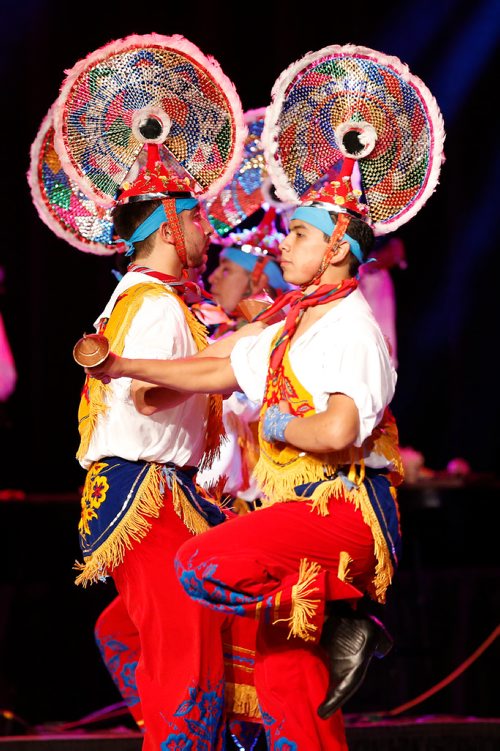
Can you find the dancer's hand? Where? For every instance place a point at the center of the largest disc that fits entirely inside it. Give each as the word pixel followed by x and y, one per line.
pixel 112 367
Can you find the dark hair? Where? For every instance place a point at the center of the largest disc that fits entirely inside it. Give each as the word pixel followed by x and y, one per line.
pixel 363 234
pixel 127 217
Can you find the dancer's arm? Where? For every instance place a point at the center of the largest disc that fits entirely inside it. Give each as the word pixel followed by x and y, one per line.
pixel 149 399
pixel 332 430
pixel 192 375
pixel 223 347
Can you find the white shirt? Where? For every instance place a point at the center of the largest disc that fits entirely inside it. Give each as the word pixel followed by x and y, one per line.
pixel 344 351
pixel 158 331
pixel 229 463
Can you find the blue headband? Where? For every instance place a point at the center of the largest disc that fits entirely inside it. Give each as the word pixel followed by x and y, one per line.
pixel 248 261
pixel 321 219
pixel 155 220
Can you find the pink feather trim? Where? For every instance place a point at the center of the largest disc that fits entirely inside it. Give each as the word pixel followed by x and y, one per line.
pixel 179 44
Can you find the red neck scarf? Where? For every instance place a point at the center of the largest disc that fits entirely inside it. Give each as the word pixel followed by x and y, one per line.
pixel 183 287
pixel 298 302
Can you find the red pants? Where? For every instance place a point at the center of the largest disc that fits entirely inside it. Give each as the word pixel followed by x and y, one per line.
pixel 118 642
pixel 282 563
pixel 180 672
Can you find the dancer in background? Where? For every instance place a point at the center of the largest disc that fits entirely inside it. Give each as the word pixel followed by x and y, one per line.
pixel 377 286
pixel 246 275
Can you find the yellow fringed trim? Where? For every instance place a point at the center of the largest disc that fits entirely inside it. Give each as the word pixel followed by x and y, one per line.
pixel 345 561
pixel 359 496
pixel 89 415
pixel 242 699
pixel 116 331
pixel 278 484
pixel 215 433
pixel 240 506
pixel 278 488
pixel 322 494
pixel 384 568
pixel 133 527
pixel 303 607
pixel 185 511
pixel 387 445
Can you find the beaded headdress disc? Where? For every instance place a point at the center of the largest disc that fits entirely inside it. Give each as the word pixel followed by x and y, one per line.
pixel 69 213
pixel 249 193
pixel 242 195
pixel 148 89
pixel 345 103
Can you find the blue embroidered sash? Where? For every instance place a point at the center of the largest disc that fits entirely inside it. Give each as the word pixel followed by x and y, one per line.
pixel 119 495
pixel 378 487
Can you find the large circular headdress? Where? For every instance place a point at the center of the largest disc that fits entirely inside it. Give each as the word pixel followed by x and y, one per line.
pixel 61 205
pixel 242 196
pixel 250 188
pixel 345 103
pixel 148 89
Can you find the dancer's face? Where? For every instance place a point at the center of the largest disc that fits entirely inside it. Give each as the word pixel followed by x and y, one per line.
pixel 229 283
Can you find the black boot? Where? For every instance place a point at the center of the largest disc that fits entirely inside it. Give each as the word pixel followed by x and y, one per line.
pixel 351 639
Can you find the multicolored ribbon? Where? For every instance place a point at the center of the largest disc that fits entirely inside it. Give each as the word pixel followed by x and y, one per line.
pixel 298 302
pixel 181 286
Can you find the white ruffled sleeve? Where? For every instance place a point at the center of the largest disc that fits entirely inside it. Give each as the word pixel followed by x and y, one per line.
pixel 159 331
pixel 358 364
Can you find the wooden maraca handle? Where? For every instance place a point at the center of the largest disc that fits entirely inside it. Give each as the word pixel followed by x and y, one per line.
pixel 91 350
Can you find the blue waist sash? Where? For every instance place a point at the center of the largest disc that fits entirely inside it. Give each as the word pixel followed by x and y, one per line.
pixel 378 488
pixel 115 486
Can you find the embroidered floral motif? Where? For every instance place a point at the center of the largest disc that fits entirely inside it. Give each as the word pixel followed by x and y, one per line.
pixel 273 734
pixel 94 494
pixel 283 744
pixel 202 720
pixel 123 672
pixel 200 584
pixel 177 742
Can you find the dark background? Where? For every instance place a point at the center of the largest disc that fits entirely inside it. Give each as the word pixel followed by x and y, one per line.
pixel 446 401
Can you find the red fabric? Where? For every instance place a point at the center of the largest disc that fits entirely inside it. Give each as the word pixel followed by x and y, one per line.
pixel 175 226
pixel 180 640
pixel 118 640
pixel 259 554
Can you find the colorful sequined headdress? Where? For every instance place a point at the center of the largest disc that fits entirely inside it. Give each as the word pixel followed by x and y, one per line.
pixel 69 213
pixel 148 90
pixel 243 196
pixel 249 195
pixel 345 114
